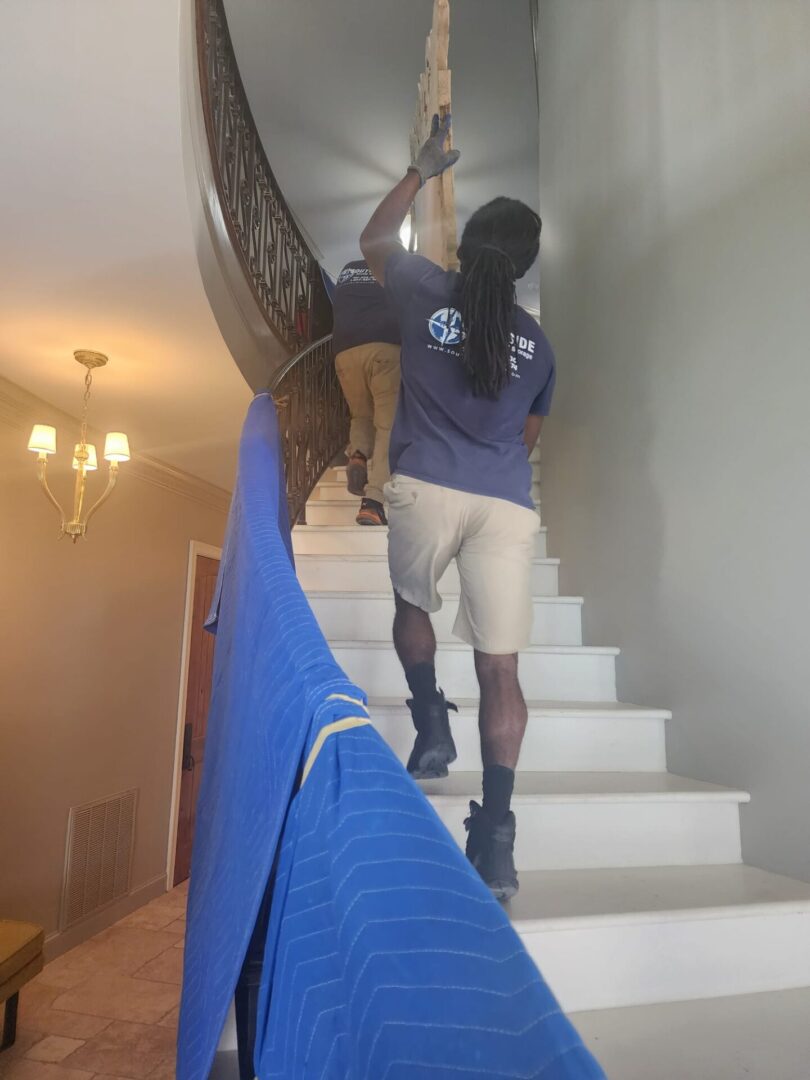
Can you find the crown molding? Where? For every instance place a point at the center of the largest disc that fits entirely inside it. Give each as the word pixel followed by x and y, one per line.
pixel 18 408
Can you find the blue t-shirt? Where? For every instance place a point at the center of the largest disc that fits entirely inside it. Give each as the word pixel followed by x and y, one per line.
pixel 362 312
pixel 442 433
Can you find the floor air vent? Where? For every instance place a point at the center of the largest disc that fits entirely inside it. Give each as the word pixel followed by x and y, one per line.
pixel 98 859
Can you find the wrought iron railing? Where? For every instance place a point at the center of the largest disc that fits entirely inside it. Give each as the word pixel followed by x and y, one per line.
pixel 283 272
pixel 313 420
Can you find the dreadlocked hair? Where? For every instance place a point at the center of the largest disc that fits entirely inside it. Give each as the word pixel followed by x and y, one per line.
pixel 499 244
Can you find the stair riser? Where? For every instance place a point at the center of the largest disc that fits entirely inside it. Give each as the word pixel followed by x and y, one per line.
pixel 322 574
pixel 338 492
pixel 551 676
pixel 369 618
pixel 360 541
pixel 597 834
pixel 321 512
pixel 642 963
pixel 551 744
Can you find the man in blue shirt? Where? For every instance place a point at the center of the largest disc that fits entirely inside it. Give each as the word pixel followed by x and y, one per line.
pixel 365 337
pixel 477 376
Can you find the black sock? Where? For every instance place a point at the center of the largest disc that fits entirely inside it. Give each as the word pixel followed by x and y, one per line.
pixel 422 682
pixel 499 783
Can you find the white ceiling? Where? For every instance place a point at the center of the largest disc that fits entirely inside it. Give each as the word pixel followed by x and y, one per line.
pixel 97 251
pixel 332 85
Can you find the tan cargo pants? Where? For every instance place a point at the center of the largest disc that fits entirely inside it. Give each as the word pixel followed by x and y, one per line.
pixel 369 377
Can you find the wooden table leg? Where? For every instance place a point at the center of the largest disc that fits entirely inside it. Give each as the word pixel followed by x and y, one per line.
pixel 10 1022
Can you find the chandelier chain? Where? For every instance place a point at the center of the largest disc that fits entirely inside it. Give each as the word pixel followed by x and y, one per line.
pixel 88 381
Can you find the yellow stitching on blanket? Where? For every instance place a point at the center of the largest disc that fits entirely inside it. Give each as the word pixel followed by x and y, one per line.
pixel 330 729
pixel 345 697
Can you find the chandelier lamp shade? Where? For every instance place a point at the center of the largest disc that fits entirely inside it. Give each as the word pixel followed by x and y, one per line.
pixel 85 458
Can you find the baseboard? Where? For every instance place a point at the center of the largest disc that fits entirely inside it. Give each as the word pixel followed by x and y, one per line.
pixel 60 942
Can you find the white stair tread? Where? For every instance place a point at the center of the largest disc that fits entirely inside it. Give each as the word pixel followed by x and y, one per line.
pixel 461 646
pixel 609 710
pixel 751 1037
pixel 384 558
pixel 331 594
pixel 595 787
pixel 556 899
pixel 350 528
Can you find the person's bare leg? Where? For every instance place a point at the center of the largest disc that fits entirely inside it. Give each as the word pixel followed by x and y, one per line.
pixel 502 713
pixel 415 643
pixel 414 639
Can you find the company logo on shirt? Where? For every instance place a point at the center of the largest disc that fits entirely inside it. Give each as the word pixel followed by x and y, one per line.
pixel 445 326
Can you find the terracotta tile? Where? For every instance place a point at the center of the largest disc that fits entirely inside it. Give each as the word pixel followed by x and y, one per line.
pixel 166 968
pixel 43 1070
pixel 37 995
pixel 22 1044
pixel 71 1025
pixel 126 1050
pixel 37 1014
pixel 178 926
pixel 53 1048
pixel 150 917
pixel 171 902
pixel 165 1071
pixel 120 997
pixel 118 949
pixel 170 1020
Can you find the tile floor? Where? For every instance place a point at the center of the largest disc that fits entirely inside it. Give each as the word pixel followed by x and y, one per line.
pixel 106 1010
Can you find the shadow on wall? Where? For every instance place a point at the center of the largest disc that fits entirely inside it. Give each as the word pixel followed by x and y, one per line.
pixel 676 458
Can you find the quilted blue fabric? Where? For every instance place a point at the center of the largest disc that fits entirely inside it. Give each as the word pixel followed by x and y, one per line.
pixel 386 957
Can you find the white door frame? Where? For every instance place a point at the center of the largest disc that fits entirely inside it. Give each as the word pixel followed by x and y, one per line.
pixel 195 548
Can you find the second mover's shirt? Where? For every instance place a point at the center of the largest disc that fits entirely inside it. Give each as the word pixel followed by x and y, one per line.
pixel 362 311
pixel 443 433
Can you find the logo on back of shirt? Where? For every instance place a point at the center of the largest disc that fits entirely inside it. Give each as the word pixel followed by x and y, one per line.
pixel 445 326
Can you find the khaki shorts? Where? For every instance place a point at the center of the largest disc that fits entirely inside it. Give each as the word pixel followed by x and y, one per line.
pixel 493 543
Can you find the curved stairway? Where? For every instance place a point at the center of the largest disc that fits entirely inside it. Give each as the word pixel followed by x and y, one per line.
pixel 632 887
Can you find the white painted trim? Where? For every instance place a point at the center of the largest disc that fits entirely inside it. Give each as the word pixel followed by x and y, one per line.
pixel 195 548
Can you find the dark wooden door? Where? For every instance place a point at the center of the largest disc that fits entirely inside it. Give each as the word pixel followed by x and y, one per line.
pixel 198 697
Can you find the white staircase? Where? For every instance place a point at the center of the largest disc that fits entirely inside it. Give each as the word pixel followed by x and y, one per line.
pixel 633 892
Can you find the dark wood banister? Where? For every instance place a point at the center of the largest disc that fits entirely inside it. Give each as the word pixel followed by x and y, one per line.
pixel 283 273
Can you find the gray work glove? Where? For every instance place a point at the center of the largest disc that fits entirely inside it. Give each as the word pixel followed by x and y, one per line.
pixel 432 158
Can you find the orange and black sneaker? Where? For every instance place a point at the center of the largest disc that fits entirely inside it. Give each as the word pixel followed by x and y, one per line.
pixel 357 473
pixel 371 513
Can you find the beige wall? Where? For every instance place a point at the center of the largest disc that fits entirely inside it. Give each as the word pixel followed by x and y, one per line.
pixel 675 192
pixel 90 646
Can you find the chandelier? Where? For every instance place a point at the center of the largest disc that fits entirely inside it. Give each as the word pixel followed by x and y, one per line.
pixel 85 459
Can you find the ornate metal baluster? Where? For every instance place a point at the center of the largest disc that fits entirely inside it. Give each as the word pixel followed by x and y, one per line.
pixel 282 271
pixel 313 420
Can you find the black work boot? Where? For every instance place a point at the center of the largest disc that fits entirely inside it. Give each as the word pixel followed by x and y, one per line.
pixel 357 473
pixel 434 748
pixel 491 850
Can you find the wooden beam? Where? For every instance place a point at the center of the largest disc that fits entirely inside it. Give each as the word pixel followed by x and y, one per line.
pixel 435 208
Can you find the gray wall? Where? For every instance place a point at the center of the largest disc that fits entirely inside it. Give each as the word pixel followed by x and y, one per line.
pixel 675 192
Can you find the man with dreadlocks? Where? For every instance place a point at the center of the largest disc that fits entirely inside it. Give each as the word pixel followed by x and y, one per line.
pixel 477 375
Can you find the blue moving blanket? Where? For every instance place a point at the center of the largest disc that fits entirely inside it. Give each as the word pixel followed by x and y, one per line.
pixel 386 956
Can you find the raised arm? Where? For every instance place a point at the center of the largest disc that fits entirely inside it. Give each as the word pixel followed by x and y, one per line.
pixel 380 238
